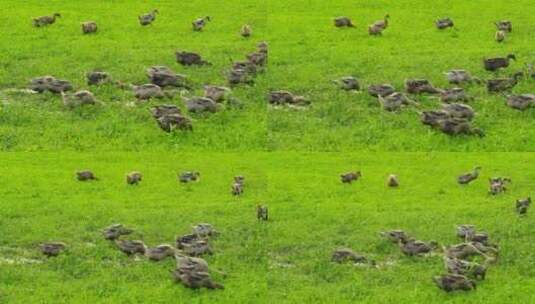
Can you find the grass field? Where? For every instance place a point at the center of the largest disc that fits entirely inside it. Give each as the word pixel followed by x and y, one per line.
pixel 291 158
pixel 306 53
pixel 284 260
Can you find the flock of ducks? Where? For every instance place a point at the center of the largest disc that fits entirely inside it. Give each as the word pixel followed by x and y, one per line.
pixel 453 117
pixel 461 260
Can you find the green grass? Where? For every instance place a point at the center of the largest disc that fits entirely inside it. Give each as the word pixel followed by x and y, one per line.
pixel 285 260
pixel 306 53
pixel 291 158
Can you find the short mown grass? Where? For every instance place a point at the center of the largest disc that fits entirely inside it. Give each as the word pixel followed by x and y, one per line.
pixel 284 260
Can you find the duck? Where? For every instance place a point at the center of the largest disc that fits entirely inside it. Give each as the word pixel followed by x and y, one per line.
pixel 344 255
pixel 498 185
pixel 171 122
pixel 189 176
pixel 444 23
pixel 45 20
pixel 348 83
pixel 148 18
pixel 201 105
pixel 494 64
pixel 115 231
pixel 378 27
pixel 382 23
pixel 469 177
pixel 459 77
pixel 395 101
pixel 49 83
pixel 89 27
pixel 188 58
pixel 467 250
pixel 282 97
pixel 246 31
pixel 500 36
pixel 466 268
pixel 79 98
pixel 395 236
pixel 131 247
pixel 148 91
pixel 85 175
pixel 412 247
pixel 452 282
pixel 499 85
pixel 349 177
pixel 163 76
pixel 504 25
pixel 165 109
pixel 195 279
pixel 418 86
pixel 458 126
pixel 343 22
pixel 392 181
pixel 237 188
pixel 160 252
pixel 134 178
pixel 522 205
pixel 216 93
pixel 433 117
pixel 239 76
pixel 97 77
pixel 464 230
pixel 454 95
pixel 197 248
pixel 204 230
pixel 459 110
pixel 520 102
pixel 262 212
pixel 199 23
pixel 52 249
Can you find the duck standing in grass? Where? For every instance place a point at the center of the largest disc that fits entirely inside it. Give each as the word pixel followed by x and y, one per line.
pixel 149 18
pixel 378 27
pixel 45 20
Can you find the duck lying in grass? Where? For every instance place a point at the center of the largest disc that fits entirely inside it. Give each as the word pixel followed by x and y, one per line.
pixel 85 175
pixel 453 282
pixel 444 23
pixel 189 176
pixel 131 247
pixel 343 22
pixel 344 255
pixel 194 273
pixel 348 83
pixel 521 102
pixel 52 249
pixel 115 231
pixel 466 268
pixel 494 64
pixel 160 252
pixel 187 58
